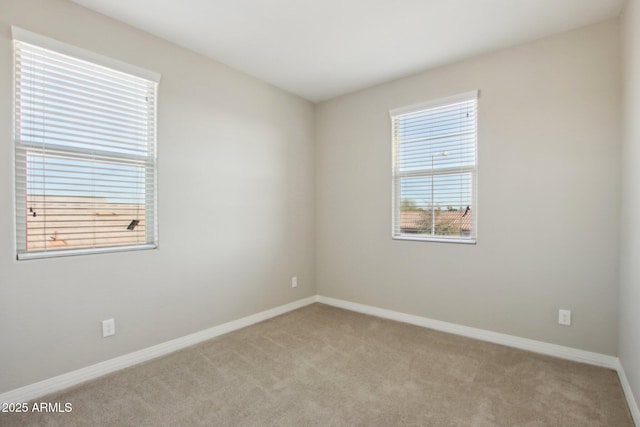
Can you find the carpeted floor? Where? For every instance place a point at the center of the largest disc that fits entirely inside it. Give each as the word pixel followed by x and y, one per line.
pixel 323 366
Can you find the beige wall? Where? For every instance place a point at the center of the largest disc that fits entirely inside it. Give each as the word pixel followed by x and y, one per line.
pixel 630 228
pixel 548 195
pixel 236 210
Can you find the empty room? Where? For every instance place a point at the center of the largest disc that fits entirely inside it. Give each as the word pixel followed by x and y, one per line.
pixel 310 213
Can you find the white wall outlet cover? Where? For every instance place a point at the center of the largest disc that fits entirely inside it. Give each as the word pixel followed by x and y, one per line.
pixel 294 282
pixel 108 327
pixel 564 317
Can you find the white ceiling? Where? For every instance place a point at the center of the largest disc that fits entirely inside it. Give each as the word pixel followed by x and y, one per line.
pixel 320 49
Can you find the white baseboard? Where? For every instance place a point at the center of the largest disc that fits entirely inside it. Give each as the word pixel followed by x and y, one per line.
pixel 480 334
pixel 33 391
pixel 631 401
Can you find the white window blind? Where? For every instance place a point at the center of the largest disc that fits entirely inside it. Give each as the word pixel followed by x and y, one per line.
pixel 85 155
pixel 434 170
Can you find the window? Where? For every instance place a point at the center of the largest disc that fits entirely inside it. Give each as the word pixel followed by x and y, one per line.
pixel 434 170
pixel 85 151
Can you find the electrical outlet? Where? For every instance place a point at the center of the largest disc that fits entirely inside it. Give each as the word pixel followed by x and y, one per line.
pixel 564 317
pixel 108 327
pixel 294 282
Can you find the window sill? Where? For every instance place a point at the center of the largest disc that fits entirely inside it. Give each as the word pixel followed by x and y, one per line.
pixel 435 239
pixel 75 252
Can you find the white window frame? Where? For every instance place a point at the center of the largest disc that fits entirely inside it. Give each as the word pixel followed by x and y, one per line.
pixel 396 175
pixel 28 37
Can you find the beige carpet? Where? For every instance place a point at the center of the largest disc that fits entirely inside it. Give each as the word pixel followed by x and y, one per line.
pixel 330 367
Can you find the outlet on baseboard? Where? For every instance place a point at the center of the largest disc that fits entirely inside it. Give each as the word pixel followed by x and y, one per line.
pixel 108 327
pixel 564 317
pixel 294 282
